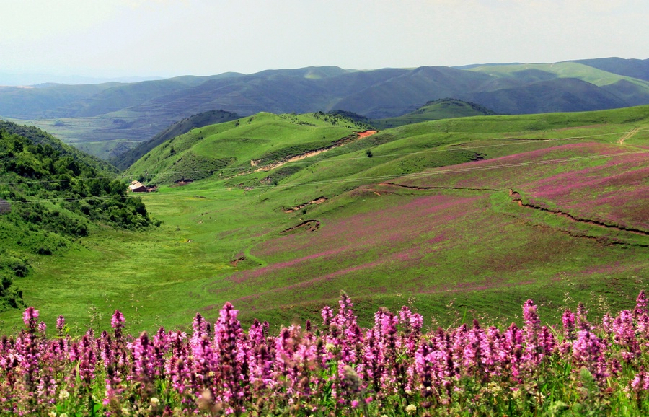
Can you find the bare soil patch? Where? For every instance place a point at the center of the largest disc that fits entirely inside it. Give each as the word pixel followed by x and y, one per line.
pixel 340 142
pixel 318 200
pixel 308 225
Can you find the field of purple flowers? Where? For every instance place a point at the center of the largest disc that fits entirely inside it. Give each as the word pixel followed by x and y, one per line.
pixel 336 369
pixel 595 181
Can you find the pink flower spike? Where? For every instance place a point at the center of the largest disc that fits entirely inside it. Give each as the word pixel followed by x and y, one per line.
pixel 60 323
pixel 117 322
pixel 29 317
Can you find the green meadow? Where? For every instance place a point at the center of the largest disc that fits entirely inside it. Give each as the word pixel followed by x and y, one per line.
pixel 411 217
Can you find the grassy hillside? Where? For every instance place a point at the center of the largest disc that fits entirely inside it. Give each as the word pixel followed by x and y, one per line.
pixel 467 216
pixel 576 70
pixel 127 159
pixel 636 68
pixel 446 108
pixel 405 92
pixel 534 88
pixel 240 146
pixel 569 94
pixel 41 137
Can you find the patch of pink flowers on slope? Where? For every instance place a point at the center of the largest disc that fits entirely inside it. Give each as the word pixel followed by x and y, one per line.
pixel 599 193
pixel 220 366
pixel 500 172
pixel 400 233
pixel 611 190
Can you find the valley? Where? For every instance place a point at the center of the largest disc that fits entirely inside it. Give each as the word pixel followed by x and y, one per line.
pixel 480 213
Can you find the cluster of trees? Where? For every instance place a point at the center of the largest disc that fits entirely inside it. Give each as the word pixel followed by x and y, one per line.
pixel 55 198
pixel 11 266
pixel 45 185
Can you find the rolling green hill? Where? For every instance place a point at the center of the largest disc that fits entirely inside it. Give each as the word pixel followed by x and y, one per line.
pixel 477 213
pixel 241 146
pixel 636 68
pixel 576 70
pixel 40 137
pixel 570 94
pixel 544 87
pixel 198 120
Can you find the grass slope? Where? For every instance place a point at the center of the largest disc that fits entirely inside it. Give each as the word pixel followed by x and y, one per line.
pixel 636 68
pixel 577 70
pixel 534 88
pixel 41 137
pixel 240 146
pixel 127 159
pixel 427 220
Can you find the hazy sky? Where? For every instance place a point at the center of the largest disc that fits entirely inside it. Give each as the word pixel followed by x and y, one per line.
pixel 108 38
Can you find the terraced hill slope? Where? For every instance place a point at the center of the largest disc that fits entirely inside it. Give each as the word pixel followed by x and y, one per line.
pixel 452 216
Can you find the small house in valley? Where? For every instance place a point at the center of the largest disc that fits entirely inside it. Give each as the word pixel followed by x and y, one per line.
pixel 138 187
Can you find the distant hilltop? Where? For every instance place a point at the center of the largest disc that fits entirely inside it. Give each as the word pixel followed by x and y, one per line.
pixel 108 119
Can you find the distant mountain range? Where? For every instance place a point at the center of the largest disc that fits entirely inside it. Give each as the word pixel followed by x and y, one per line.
pixel 128 113
pixel 12 79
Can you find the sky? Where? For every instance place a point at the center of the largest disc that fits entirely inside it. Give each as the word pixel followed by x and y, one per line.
pixel 118 38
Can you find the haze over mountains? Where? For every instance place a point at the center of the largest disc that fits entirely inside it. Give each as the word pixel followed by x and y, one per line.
pixel 29 79
pixel 110 118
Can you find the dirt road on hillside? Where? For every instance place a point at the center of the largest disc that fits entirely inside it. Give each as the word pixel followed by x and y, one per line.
pixel 628 135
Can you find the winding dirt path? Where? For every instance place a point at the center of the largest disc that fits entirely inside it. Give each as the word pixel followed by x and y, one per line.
pixel 338 143
pixel 628 135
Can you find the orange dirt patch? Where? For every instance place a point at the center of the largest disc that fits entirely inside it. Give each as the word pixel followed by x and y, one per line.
pixel 366 133
pixel 339 142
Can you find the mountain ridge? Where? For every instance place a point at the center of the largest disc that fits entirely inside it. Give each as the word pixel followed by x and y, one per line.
pixel 125 114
